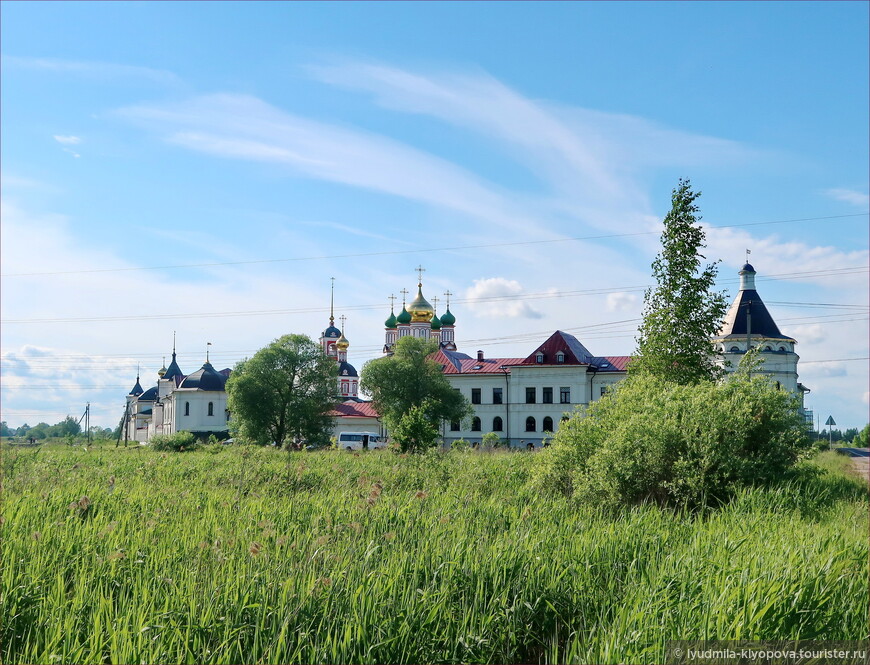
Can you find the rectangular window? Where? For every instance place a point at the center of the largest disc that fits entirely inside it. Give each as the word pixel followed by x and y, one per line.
pixel 475 395
pixel 530 396
pixel 603 390
pixel 497 396
pixel 454 426
pixel 564 395
pixel 547 395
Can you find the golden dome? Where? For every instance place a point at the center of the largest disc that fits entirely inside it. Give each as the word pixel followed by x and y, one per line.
pixel 420 309
pixel 342 343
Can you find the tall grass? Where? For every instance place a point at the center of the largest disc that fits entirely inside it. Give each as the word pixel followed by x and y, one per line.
pixel 229 555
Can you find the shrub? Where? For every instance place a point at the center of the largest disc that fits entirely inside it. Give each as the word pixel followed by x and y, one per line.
pixel 680 444
pixel 461 445
pixel 176 442
pixel 491 440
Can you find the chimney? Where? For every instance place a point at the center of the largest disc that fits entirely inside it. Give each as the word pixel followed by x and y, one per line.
pixel 480 355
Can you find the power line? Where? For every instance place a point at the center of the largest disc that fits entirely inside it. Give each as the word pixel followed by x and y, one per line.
pixel 833 272
pixel 416 251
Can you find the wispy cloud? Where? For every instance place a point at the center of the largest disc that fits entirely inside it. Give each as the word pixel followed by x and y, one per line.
pixel 90 69
pixel 244 127
pixel 852 196
pixel 67 140
pixel 484 290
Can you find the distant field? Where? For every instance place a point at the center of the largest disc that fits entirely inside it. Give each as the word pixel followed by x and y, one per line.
pixel 228 555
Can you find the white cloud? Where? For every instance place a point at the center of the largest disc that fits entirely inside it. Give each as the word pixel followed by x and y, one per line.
pixel 852 196
pixel 499 297
pixel 67 140
pixel 90 69
pixel 622 301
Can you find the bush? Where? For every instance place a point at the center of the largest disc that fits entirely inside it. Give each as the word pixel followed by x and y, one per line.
pixel 461 445
pixel 651 440
pixel 176 442
pixel 491 440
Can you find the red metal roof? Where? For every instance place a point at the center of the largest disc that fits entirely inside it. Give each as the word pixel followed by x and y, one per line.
pixel 353 409
pixel 575 352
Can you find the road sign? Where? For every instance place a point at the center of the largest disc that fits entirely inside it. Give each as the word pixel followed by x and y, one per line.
pixel 830 421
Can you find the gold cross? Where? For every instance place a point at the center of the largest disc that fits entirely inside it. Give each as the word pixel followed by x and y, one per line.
pixel 392 300
pixel 404 293
pixel 420 270
pixel 448 294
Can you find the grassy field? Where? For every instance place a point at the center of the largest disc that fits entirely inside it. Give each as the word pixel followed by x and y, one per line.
pixel 227 555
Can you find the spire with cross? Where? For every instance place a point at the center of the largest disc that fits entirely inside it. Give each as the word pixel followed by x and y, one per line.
pixel 420 270
pixel 331 301
pixel 448 294
pixel 435 304
pixel 404 293
pixel 392 300
pixel 343 318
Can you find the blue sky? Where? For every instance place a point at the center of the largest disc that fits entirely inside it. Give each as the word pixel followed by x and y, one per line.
pixel 523 153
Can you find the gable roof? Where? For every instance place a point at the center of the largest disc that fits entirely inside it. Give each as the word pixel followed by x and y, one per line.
pixel 354 408
pixel 575 352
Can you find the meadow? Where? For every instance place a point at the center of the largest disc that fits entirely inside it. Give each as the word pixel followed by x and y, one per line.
pixel 236 555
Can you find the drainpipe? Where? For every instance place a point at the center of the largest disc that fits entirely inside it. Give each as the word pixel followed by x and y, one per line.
pixel 507 403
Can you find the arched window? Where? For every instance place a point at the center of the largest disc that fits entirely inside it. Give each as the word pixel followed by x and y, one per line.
pixel 778 385
pixel 211 408
pixel 782 348
pixel 735 349
pixel 475 424
pixel 560 357
pixel 187 408
pixel 548 424
pixel 539 358
pixel 530 424
pixel 497 424
pixel 767 348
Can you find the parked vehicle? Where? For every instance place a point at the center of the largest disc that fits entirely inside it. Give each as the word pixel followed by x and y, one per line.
pixel 360 441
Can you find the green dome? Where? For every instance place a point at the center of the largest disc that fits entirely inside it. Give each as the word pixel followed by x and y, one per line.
pixel 390 322
pixel 448 319
pixel 404 316
pixel 436 323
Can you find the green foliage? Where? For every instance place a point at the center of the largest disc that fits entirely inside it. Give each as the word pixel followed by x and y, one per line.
pixel 284 393
pixel 448 558
pixel 690 445
pixel 491 440
pixel 681 313
pixel 178 442
pixel 861 439
pixel 415 431
pixel 409 379
pixel 461 445
pixel 4 429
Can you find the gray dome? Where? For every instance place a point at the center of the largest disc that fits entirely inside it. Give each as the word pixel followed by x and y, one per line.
pixel 205 378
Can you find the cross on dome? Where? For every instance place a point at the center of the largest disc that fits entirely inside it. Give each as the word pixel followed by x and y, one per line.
pixel 420 270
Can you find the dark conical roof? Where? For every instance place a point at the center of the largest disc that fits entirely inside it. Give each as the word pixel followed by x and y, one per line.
pixel 761 322
pixel 173 370
pixel 346 369
pixel 205 378
pixel 137 389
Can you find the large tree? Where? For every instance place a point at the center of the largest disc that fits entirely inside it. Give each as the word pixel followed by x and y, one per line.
pixel 408 389
pixel 682 312
pixel 283 393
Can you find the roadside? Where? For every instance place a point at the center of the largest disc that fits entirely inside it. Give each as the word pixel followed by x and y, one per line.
pixel 860 458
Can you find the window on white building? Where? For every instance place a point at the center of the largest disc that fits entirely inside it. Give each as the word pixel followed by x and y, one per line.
pixel 530 424
pixel 187 408
pixel 539 358
pixel 497 425
pixel 530 396
pixel 454 426
pixel 475 395
pixel 564 395
pixel 475 424
pixel 546 395
pixel 548 424
pixel 211 408
pixel 497 396
pixel 560 357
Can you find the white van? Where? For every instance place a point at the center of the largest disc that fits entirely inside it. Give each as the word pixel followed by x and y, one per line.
pixel 360 441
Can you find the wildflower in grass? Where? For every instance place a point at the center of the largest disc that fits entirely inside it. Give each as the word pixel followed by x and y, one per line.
pixel 321 541
pixel 267 533
pixel 355 526
pixel 255 548
pixel 421 494
pixel 445 519
pixel 375 493
pixel 527 513
pixel 265 524
pixel 326 582
pixel 37 535
pixel 281 541
pixel 390 535
pixel 115 556
pixel 108 528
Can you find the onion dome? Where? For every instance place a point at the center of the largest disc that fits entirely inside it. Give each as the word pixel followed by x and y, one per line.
pixel 205 378
pixel 404 316
pixel 420 309
pixel 747 267
pixel 332 332
pixel 162 370
pixel 436 323
pixel 391 321
pixel 342 343
pixel 346 369
pixel 447 319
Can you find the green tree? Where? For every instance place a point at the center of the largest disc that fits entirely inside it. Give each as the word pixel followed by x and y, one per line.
pixel 861 439
pixel 415 430
pixel 69 426
pixel 283 393
pixel 4 429
pixel 681 313
pixel 410 379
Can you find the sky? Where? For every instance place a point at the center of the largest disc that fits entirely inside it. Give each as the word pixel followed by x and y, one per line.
pixel 203 169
